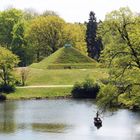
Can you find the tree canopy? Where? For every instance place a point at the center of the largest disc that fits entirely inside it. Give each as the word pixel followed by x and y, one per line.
pixel 33 36
pixel 45 35
pixel 8 19
pixel 121 36
pixel 7 62
pixel 75 35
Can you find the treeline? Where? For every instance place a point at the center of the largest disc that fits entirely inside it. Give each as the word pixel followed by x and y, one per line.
pixel 33 36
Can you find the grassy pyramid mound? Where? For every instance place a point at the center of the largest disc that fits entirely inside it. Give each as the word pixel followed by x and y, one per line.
pixel 65 58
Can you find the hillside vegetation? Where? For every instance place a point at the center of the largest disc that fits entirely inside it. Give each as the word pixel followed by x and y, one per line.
pixel 65 58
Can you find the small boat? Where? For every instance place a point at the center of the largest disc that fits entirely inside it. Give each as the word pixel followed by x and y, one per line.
pixel 97 121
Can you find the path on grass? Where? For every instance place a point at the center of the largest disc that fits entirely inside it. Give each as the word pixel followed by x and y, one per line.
pixel 46 86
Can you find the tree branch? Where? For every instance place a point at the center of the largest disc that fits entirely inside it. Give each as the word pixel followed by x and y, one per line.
pixel 117 53
pixel 125 37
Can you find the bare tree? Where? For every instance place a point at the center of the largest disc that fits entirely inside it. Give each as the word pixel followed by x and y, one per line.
pixel 24 73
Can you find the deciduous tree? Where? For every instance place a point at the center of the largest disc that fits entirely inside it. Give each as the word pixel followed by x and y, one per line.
pixel 75 35
pixel 121 37
pixel 7 63
pixel 45 35
pixel 8 19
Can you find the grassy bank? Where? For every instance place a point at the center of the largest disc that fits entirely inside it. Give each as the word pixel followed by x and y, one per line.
pixel 39 93
pixel 54 77
pixel 63 77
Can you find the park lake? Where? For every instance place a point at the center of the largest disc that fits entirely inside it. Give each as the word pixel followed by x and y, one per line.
pixel 72 77
pixel 64 119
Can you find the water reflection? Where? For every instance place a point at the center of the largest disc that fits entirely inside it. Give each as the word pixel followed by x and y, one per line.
pixel 7 120
pixel 50 127
pixel 64 120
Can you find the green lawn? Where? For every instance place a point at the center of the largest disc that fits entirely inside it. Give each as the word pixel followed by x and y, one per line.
pixel 39 93
pixel 55 77
pixel 63 77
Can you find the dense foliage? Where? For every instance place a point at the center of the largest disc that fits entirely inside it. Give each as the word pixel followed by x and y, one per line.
pixel 121 36
pixel 7 62
pixel 33 36
pixel 45 35
pixel 75 35
pixel 86 89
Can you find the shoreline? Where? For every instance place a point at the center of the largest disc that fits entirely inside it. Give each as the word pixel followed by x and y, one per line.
pixel 22 94
pixel 39 93
pixel 64 97
pixel 39 98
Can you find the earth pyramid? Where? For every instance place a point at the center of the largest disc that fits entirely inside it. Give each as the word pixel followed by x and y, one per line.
pixel 66 58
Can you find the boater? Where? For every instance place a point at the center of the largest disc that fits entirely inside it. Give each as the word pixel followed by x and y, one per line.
pixel 97 120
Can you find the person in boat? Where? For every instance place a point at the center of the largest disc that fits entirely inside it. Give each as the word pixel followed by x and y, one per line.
pixel 97 119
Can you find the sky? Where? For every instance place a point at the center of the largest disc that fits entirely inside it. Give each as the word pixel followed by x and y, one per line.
pixel 73 10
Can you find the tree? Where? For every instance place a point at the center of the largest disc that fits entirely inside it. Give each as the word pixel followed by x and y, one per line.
pixel 8 19
pixel 24 73
pixel 121 37
pixel 19 43
pixel 7 62
pixel 45 35
pixel 12 27
pixel 75 35
pixel 30 13
pixel 49 13
pixel 94 44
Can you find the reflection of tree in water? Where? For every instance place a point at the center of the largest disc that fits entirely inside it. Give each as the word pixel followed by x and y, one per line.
pixel 7 121
pixel 50 127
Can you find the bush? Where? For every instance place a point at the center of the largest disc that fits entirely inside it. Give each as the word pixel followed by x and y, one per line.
pixel 2 97
pixel 7 88
pixel 86 89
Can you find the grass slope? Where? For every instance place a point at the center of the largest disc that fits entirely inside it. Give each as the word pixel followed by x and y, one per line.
pixel 65 58
pixel 63 76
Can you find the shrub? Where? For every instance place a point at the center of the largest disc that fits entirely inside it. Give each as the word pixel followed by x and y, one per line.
pixel 86 89
pixel 2 97
pixel 7 88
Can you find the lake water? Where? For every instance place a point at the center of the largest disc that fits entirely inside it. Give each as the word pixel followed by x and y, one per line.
pixel 64 119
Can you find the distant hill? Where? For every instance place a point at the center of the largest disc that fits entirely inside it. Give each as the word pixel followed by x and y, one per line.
pixel 66 58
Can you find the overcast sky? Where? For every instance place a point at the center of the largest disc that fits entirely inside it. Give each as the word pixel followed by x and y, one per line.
pixel 73 10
